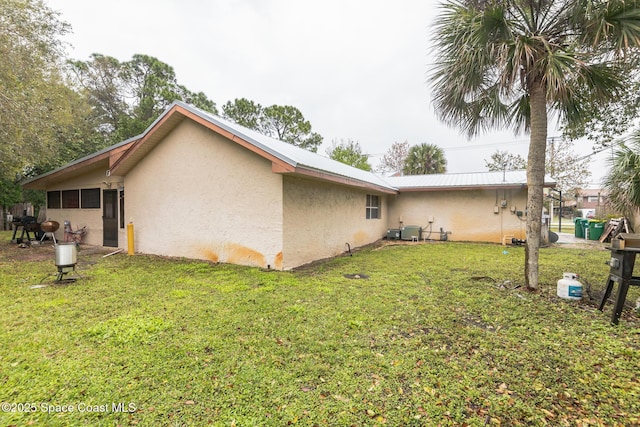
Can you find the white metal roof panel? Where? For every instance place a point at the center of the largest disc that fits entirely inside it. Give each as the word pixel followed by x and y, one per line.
pixel 454 180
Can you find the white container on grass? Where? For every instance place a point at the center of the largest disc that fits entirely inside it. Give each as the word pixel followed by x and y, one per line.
pixel 569 287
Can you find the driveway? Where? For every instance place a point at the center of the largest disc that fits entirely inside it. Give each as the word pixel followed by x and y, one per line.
pixel 570 241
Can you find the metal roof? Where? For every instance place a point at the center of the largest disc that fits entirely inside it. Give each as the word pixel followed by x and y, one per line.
pixel 104 153
pixel 499 179
pixel 299 160
pixel 289 153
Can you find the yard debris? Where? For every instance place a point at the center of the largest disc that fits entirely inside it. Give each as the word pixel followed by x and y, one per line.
pixel 113 253
pixel 615 227
pixel 356 276
pixel 506 284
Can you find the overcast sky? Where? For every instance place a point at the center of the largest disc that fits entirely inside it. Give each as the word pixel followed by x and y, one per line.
pixel 356 69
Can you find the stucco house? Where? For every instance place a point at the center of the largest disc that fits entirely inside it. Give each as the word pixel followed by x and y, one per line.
pixel 197 186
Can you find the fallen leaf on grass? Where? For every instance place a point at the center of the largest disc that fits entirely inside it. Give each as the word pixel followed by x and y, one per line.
pixel 547 413
pixel 503 389
pixel 189 402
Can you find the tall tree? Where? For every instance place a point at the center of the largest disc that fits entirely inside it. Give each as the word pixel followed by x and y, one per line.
pixel 503 160
pixel 395 158
pixel 31 87
pixel 152 85
pixel 425 159
pixel 128 96
pixel 504 63
pixel 622 182
pixel 569 170
pixel 350 153
pixel 601 123
pixel 100 80
pixel 285 123
pixel 245 113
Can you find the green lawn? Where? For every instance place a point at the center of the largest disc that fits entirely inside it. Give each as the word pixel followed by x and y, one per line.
pixel 434 336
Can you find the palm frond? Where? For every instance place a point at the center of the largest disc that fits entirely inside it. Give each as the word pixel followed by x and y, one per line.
pixel 490 53
pixel 623 180
pixel 614 24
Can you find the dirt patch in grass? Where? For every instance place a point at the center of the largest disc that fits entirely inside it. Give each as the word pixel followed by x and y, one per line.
pixel 36 251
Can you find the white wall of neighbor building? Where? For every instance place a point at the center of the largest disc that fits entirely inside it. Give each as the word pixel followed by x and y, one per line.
pixel 321 218
pixel 470 215
pixel 199 195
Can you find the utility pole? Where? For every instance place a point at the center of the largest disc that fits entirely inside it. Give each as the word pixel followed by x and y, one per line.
pixel 559 198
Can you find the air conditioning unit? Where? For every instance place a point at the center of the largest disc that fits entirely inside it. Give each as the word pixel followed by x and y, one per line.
pixel 411 232
pixel 393 234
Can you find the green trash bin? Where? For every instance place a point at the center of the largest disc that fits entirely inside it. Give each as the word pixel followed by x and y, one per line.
pixel 580 224
pixel 577 227
pixel 596 228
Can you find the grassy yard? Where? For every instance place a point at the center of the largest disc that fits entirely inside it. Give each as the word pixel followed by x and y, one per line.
pixel 435 334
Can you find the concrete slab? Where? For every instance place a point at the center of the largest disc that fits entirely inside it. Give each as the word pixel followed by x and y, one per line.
pixel 568 239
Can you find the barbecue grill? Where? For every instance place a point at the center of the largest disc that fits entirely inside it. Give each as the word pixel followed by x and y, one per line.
pixel 29 224
pixel 49 227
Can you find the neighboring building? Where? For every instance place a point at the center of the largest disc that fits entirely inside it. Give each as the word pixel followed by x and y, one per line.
pixel 591 198
pixel 592 202
pixel 197 186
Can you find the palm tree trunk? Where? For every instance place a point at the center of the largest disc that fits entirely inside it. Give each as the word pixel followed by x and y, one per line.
pixel 535 181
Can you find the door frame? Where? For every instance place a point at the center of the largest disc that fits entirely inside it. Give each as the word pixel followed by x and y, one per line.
pixel 110 218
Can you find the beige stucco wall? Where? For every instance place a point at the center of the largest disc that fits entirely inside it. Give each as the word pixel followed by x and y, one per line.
pixel 321 218
pixel 199 195
pixel 468 214
pixel 90 218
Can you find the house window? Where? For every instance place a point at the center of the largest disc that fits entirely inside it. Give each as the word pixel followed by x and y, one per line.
pixel 592 199
pixel 90 198
pixel 53 200
pixel 373 207
pixel 70 199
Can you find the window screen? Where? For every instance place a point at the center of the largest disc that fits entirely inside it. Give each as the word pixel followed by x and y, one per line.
pixel 90 198
pixel 53 200
pixel 70 199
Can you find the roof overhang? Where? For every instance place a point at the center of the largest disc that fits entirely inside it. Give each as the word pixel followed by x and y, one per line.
pixel 101 159
pixel 336 179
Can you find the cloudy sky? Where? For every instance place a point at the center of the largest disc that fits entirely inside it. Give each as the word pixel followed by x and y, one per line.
pixel 356 69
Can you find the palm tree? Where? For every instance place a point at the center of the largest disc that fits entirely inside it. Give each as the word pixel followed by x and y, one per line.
pixel 506 63
pixel 623 180
pixel 425 159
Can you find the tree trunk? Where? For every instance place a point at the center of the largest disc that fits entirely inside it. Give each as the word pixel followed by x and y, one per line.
pixel 535 181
